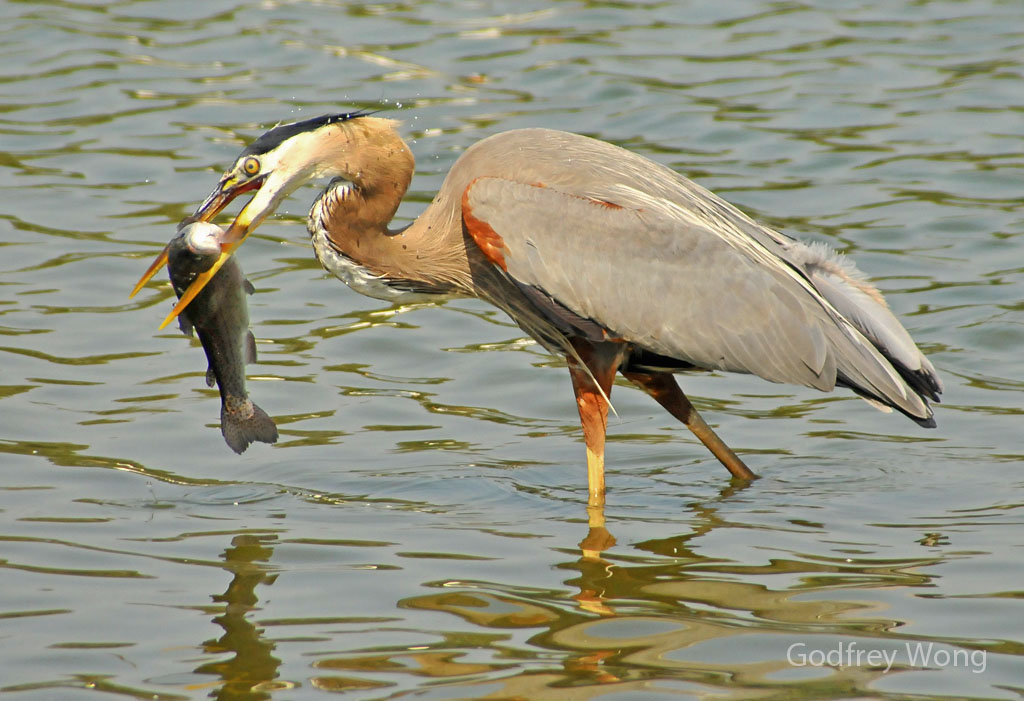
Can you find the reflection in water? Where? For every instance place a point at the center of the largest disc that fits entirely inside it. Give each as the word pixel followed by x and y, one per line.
pixel 598 538
pixel 250 672
pixel 679 621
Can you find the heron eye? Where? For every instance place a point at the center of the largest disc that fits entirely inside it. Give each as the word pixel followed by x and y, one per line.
pixel 251 166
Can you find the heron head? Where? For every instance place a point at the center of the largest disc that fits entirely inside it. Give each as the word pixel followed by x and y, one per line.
pixel 272 167
pixel 275 165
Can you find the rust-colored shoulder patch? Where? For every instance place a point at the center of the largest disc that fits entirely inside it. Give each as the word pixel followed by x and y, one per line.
pixel 490 241
pixel 492 245
pixel 604 203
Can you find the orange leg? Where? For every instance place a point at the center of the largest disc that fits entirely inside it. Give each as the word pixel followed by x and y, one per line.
pixel 663 387
pixel 592 390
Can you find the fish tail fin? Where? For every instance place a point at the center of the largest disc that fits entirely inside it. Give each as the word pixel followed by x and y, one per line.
pixel 242 422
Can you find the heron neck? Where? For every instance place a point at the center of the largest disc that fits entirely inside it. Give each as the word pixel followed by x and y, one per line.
pixel 354 211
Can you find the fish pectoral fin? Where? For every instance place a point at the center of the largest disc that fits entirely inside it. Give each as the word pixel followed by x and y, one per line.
pixel 250 347
pixel 211 378
pixel 247 286
pixel 185 324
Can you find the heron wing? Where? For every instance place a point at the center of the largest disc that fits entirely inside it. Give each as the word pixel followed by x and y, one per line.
pixel 659 276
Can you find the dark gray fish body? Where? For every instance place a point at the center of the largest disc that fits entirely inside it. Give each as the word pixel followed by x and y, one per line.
pixel 221 319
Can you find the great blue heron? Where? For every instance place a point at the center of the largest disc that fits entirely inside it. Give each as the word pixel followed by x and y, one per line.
pixel 613 260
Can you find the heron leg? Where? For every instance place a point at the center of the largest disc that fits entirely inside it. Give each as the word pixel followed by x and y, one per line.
pixel 593 385
pixel 665 390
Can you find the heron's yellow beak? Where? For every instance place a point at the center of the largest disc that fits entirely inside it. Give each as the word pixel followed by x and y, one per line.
pixel 227 190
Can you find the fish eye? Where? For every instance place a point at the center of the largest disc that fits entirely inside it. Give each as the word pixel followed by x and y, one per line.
pixel 251 166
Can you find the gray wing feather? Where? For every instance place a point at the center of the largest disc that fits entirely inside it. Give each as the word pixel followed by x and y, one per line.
pixel 663 277
pixel 844 287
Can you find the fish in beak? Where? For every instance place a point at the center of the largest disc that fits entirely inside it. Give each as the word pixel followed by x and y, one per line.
pixel 234 183
pixel 220 317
